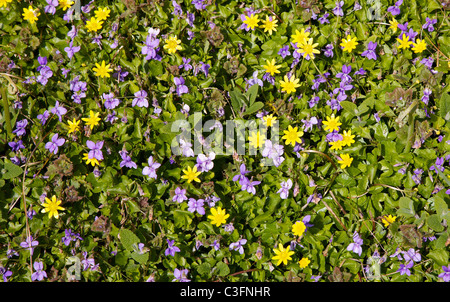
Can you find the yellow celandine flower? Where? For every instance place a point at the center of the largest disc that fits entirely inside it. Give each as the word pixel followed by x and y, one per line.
pixel 304 262
pixel 65 4
pixel 172 44
pixel 282 254
pixel 102 70
pixel 269 24
pixel 92 161
pixel 300 37
pixel 218 216
pixel 73 126
pixel 387 220
pixel 92 120
pixel 298 228
pixel 404 42
pixel 4 3
pixel 271 67
pixel 345 161
pixel 332 123
pixel 419 46
pixel 30 14
pixel 256 140
pixel 190 174
pixel 102 13
pixel 292 135
pixel 308 48
pixel 336 145
pixel 349 43
pixel 269 119
pixel 347 138
pixel 251 21
pixel 289 85
pixel 394 25
pixel 93 24
pixel 51 206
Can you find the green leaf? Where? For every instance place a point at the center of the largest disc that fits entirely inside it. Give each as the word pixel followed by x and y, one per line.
pixel 253 108
pixel 204 269
pixel 140 258
pixel 349 106
pixel 251 94
pixel 345 180
pixel 222 269
pixel 12 171
pixel 260 219
pixel 182 218
pixel 444 108
pixel 434 222
pixel 156 68
pixel 128 239
pixel 406 207
pixel 237 100
pixel 137 132
pixel 440 256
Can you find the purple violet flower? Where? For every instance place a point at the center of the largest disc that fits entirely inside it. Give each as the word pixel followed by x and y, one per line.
pixel 54 143
pixel 39 273
pixel 110 101
pixel 199 4
pixel 181 88
pixel 51 7
pixel 5 273
pixel 150 170
pixel 126 160
pixel 446 274
pixel 238 246
pixel 180 195
pixel 95 149
pixel 196 205
pixel 171 250
pixel 180 275
pixel 140 99
pixel 404 269
pixel 338 9
pixel 285 187
pixel 429 24
pixel 284 51
pixel 242 171
pixel 370 52
pixel 58 110
pixel 249 185
pixel 355 246
pixel 29 244
pixel 71 50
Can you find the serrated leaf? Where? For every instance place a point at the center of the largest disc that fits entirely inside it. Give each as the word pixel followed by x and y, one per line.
pixel 253 108
pixel 434 222
pixel 349 106
pixel 251 94
pixel 204 269
pixel 444 108
pixel 406 207
pixel 141 258
pixel 128 239
pixel 12 171
pixel 440 256
pixel 222 269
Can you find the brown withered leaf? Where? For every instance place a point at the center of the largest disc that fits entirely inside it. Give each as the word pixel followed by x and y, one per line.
pixel 101 224
pixel 398 97
pixel 71 194
pixel 411 235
